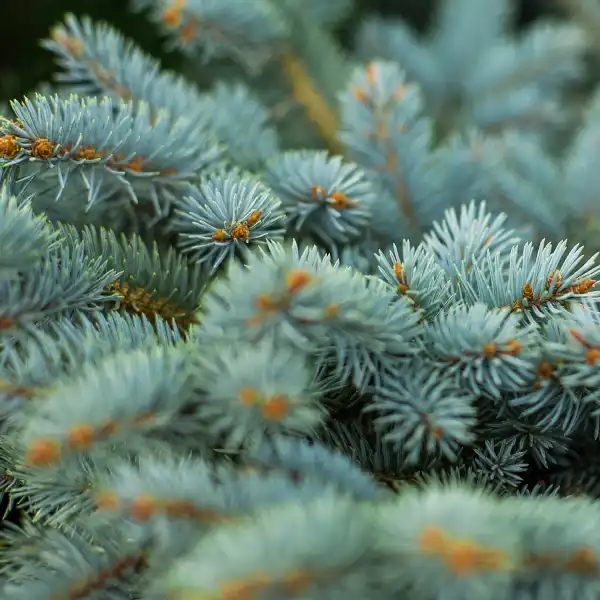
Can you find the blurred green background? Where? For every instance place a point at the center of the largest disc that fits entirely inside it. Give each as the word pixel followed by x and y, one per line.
pixel 23 64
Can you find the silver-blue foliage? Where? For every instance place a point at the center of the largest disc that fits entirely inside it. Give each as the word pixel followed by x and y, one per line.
pixel 320 324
